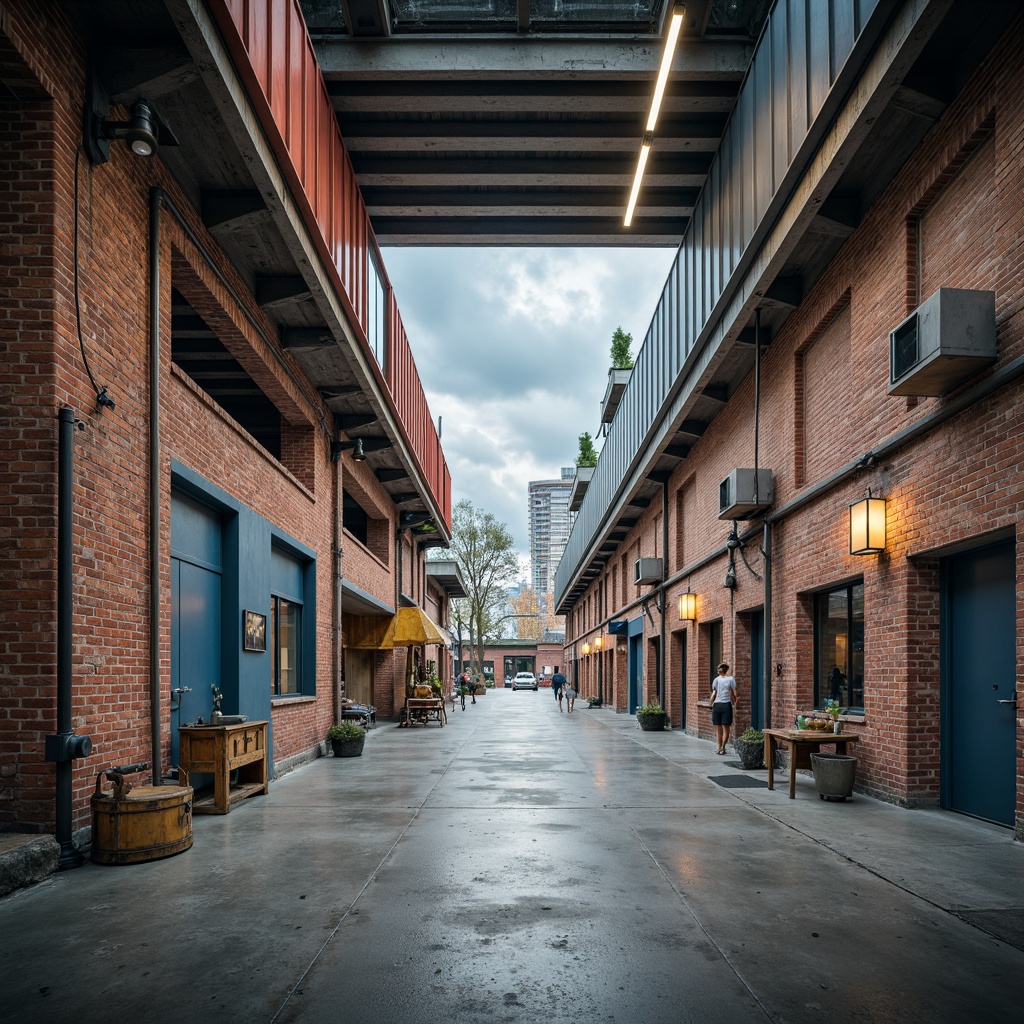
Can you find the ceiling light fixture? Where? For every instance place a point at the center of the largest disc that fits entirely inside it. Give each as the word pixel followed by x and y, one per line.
pixel 671 38
pixel 638 177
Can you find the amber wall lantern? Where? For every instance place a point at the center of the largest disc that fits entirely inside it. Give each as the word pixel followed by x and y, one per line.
pixel 585 648
pixel 598 642
pixel 687 607
pixel 867 526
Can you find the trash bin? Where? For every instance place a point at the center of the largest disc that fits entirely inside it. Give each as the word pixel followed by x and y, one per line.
pixel 834 775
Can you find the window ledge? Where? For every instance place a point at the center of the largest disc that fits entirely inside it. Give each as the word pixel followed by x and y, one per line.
pixel 299 698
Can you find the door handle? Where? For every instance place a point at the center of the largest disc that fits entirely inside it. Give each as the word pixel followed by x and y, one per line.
pixel 1013 702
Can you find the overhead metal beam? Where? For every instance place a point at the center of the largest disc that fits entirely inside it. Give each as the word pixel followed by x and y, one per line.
pixel 534 96
pixel 467 58
pixel 675 135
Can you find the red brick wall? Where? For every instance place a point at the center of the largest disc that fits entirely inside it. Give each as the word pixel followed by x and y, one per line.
pixel 957 483
pixel 42 369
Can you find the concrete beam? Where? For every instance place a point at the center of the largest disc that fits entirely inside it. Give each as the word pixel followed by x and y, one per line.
pixel 469 58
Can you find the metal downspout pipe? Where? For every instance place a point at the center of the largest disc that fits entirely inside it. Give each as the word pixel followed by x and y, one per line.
pixel 64 745
pixel 156 197
pixel 339 685
pixel 767 647
pixel 662 659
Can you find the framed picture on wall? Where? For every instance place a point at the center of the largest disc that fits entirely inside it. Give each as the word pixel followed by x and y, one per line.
pixel 254 631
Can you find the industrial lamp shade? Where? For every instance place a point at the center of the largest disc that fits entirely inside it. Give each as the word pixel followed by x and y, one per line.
pixel 687 607
pixel 867 526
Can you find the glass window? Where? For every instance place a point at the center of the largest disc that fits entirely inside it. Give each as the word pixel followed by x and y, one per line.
pixel 285 665
pixel 839 647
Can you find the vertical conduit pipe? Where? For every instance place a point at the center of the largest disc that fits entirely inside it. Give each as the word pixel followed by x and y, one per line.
pixel 156 196
pixel 767 646
pixel 69 857
pixel 662 659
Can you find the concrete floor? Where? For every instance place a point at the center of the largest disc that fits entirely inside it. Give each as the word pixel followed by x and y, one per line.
pixel 521 865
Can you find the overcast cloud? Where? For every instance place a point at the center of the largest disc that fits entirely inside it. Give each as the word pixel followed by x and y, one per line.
pixel 513 348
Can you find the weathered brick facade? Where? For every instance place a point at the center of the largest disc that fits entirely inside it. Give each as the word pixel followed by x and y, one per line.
pixel 76 319
pixel 951 218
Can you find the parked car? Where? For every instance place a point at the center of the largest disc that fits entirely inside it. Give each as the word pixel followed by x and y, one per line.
pixel 524 681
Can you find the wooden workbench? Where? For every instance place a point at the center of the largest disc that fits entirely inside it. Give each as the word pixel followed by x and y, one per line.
pixel 800 743
pixel 219 750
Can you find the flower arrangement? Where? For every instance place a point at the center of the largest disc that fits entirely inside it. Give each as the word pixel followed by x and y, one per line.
pixel 217 696
pixel 832 709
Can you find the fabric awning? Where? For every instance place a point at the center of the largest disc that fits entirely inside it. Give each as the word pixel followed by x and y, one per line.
pixel 408 627
pixel 411 627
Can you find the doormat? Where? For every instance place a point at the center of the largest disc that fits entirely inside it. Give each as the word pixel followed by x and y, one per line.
pixel 738 782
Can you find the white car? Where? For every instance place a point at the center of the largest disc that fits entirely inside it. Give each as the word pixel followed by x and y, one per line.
pixel 524 681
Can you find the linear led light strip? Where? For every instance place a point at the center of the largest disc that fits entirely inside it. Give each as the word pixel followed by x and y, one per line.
pixel 671 38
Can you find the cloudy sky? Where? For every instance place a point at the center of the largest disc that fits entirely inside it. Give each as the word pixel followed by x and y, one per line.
pixel 513 349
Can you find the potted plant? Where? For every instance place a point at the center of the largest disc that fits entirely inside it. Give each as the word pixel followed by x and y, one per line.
pixel 833 710
pixel 347 739
pixel 651 717
pixel 750 748
pixel 593 702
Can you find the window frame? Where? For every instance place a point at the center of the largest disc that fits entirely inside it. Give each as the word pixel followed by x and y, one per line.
pixel 274 647
pixel 853 669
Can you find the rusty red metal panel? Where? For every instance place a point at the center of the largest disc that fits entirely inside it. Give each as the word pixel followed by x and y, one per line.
pixel 298 57
pixel 275 57
pixel 256 40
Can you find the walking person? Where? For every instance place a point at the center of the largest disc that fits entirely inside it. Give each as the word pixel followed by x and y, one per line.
pixel 570 697
pixel 723 697
pixel 557 682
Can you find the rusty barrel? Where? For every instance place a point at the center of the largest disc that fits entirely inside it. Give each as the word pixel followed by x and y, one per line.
pixel 147 823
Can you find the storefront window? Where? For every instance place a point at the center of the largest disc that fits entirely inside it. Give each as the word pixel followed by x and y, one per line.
pixel 839 647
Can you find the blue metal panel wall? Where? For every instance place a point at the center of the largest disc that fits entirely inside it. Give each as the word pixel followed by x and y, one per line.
pixel 769 139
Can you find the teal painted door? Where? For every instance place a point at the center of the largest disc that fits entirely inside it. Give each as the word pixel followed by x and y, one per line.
pixel 195 613
pixel 636 672
pixel 979 684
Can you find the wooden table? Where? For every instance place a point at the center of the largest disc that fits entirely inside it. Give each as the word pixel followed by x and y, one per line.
pixel 800 743
pixel 423 710
pixel 220 750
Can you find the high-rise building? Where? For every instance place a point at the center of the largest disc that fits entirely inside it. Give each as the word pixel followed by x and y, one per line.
pixel 549 528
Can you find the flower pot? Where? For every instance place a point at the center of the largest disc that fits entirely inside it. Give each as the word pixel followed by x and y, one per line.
pixel 652 723
pixel 834 775
pixel 348 748
pixel 751 755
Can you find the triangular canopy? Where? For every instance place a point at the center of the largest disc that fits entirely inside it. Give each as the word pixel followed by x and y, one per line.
pixel 410 627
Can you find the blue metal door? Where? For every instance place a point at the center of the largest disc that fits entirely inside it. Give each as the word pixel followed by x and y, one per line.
pixel 979 684
pixel 757 669
pixel 195 613
pixel 636 672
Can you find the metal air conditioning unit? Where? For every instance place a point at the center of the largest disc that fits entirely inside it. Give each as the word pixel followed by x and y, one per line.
pixel 740 495
pixel 648 570
pixel 949 337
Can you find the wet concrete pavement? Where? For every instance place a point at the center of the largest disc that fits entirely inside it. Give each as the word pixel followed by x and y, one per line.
pixel 521 865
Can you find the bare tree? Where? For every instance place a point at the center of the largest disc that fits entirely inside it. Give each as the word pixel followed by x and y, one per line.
pixel 484 549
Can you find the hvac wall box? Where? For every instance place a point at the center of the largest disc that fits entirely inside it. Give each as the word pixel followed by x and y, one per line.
pixel 738 498
pixel 648 570
pixel 949 337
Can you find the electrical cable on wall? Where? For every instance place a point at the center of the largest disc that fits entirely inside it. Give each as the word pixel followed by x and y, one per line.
pixel 103 399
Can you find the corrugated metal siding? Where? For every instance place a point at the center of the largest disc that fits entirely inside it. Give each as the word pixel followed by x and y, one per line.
pixel 273 52
pixel 802 50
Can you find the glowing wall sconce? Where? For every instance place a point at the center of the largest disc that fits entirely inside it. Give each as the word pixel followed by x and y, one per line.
pixel 598 642
pixel 867 526
pixel 687 607
pixel 585 648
